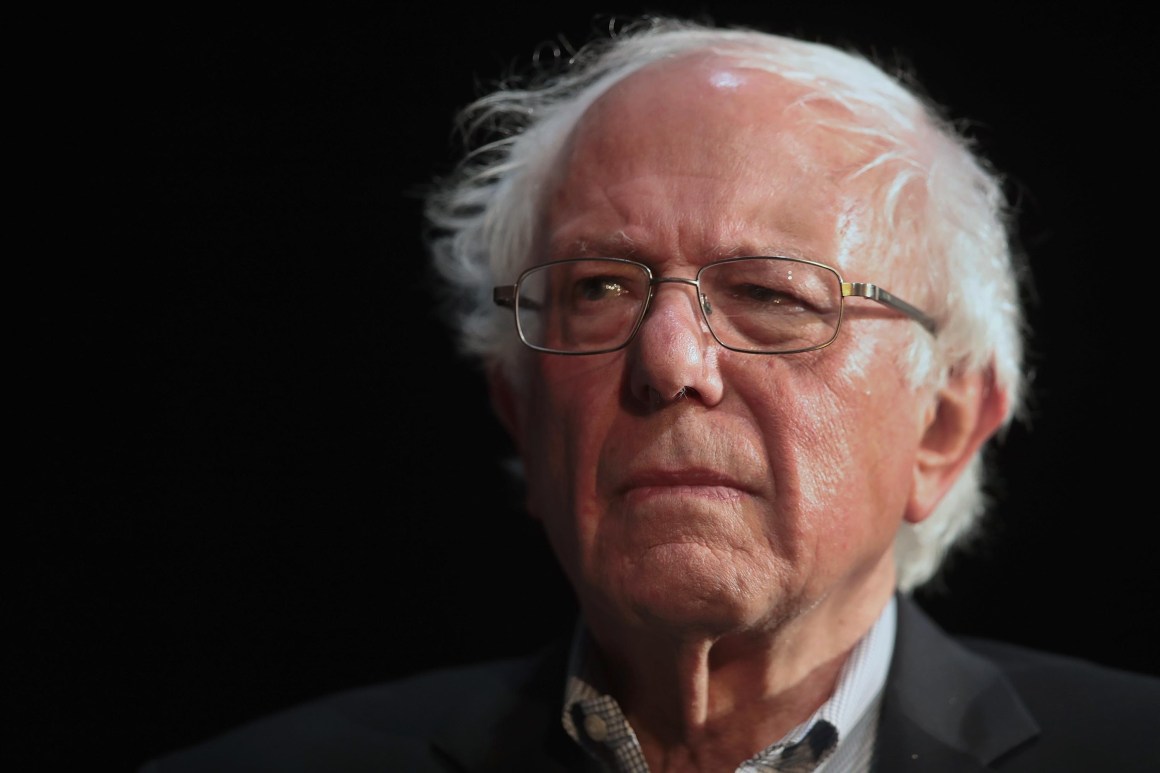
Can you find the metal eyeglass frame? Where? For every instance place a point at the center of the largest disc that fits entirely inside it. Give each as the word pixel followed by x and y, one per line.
pixel 507 295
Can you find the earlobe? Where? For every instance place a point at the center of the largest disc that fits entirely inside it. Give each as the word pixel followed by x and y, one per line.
pixel 504 403
pixel 966 412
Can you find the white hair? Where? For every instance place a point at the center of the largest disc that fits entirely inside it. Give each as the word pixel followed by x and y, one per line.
pixel 936 207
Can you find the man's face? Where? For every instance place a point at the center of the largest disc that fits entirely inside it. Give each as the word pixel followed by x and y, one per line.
pixel 686 487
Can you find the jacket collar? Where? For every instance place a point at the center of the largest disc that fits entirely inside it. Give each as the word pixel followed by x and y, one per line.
pixel 509 722
pixel 944 707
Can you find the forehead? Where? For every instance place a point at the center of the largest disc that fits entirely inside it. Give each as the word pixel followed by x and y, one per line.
pixel 692 90
pixel 703 155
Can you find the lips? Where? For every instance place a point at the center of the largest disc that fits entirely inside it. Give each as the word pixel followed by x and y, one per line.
pixel 692 451
pixel 685 478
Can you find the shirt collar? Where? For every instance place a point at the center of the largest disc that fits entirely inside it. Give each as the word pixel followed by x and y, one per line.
pixel 860 681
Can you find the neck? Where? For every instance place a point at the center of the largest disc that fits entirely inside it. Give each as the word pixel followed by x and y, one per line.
pixel 700 702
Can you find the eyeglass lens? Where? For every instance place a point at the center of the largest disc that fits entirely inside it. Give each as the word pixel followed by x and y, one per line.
pixel 750 304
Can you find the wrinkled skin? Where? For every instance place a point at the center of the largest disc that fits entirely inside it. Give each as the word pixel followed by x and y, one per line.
pixel 725 518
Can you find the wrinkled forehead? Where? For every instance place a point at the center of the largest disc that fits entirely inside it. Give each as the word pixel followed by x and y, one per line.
pixel 708 116
pixel 730 101
pixel 699 83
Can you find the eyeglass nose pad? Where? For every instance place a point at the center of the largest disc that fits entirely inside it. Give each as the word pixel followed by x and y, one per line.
pixel 706 307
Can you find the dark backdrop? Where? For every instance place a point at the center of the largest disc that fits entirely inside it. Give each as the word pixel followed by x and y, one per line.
pixel 260 474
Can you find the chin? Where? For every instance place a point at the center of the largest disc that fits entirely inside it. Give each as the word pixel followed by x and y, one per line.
pixel 697 590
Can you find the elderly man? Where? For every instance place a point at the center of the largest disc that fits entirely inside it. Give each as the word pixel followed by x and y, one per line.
pixel 749 313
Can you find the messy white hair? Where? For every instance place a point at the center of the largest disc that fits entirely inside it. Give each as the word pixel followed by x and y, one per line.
pixel 935 207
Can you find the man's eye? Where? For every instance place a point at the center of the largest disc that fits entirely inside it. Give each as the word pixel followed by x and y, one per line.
pixel 599 288
pixel 765 295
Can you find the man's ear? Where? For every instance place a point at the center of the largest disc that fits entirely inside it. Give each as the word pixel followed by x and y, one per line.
pixel 505 403
pixel 966 412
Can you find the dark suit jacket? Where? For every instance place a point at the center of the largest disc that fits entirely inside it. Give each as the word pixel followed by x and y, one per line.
pixel 949 706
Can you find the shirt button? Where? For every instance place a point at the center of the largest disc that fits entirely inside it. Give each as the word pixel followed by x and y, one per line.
pixel 595 726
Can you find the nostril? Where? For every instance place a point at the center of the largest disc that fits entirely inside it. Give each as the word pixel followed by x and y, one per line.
pixel 655 399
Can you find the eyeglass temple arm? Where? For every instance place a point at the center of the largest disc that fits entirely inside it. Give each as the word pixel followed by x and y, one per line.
pixel 876 293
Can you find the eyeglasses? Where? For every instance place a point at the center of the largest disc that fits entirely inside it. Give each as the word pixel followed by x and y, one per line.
pixel 760 305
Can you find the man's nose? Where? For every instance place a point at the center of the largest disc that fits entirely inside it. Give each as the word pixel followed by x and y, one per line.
pixel 673 355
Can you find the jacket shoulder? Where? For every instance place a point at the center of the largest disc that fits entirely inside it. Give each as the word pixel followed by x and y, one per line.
pixel 395 725
pixel 1062 689
pixel 956 703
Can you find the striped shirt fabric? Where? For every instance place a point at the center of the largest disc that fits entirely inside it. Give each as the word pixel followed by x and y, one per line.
pixel 595 721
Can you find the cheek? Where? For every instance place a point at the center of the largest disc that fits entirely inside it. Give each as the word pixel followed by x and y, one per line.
pixel 573 402
pixel 804 419
pixel 841 444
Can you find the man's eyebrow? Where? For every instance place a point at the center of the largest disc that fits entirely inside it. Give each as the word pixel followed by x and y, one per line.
pixel 620 245
pixel 616 244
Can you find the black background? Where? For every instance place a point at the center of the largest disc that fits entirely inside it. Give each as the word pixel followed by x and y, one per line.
pixel 258 471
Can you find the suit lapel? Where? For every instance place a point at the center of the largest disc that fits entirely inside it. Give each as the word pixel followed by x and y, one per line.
pixel 512 724
pixel 944 708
